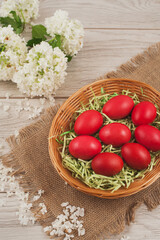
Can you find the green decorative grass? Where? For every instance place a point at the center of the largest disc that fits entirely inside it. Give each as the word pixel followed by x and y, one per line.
pixel 82 169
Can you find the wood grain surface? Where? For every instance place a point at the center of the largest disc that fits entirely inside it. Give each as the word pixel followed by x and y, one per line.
pixel 115 30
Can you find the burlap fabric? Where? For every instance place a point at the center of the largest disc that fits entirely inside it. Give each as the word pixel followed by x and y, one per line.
pixel 30 159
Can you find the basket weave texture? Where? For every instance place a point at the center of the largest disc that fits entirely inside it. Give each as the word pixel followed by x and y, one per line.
pixel 64 116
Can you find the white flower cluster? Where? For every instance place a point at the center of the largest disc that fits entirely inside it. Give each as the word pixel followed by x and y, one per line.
pixel 67 222
pixel 41 70
pixel 125 238
pixel 13 53
pixel 44 71
pixel 26 9
pixel 71 31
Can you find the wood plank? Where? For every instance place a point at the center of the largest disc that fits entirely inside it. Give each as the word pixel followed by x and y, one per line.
pixel 23 233
pixel 107 14
pixel 103 51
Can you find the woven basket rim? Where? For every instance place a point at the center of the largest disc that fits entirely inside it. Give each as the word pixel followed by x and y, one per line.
pixel 76 183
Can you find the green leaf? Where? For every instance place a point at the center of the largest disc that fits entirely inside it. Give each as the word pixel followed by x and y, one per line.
pixel 16 17
pixel 39 34
pixel 69 58
pixel 39 31
pixel 5 21
pixel 2 47
pixel 34 41
pixel 56 41
pixel 19 30
pixel 15 22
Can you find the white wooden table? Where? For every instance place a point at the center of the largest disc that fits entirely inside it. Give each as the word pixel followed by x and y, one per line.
pixel 115 30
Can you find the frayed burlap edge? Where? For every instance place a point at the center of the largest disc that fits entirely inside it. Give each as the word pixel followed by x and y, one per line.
pixel 9 160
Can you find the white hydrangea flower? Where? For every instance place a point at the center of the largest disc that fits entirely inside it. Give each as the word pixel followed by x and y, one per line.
pixel 26 9
pixel 71 31
pixel 13 52
pixel 44 71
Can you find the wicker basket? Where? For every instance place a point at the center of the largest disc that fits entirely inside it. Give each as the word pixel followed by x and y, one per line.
pixel 64 116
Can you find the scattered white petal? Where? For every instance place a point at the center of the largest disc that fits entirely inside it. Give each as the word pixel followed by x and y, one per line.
pixel 18 109
pixel 43 208
pixel 7 95
pixel 35 198
pixel 67 222
pixel 64 204
pixel 28 103
pixel 32 219
pixel 48 228
pixel 125 238
pixel 68 237
pixel 40 192
pixel 51 99
pixel 81 232
pixel 6 108
pixel 42 101
pixel 2 202
pixel 36 112
pixel 16 133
